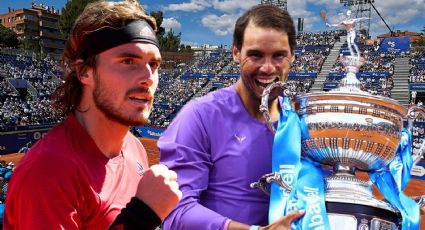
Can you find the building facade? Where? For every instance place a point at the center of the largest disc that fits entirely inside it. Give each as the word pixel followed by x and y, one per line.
pixel 38 25
pixel 414 36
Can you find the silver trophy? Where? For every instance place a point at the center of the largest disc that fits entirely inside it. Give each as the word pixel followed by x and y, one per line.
pixel 349 130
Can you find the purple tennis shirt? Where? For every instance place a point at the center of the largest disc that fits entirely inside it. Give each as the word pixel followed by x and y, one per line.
pixel 217 150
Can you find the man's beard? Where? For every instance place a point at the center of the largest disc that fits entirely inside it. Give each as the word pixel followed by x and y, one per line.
pixel 104 102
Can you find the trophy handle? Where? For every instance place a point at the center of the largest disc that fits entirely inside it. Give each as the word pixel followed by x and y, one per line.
pixel 412 114
pixel 264 107
pixel 420 200
pixel 267 179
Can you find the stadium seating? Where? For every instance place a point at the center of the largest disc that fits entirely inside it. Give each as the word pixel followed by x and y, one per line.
pixel 26 83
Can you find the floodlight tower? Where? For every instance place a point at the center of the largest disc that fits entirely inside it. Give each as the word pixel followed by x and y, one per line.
pixel 283 4
pixel 360 8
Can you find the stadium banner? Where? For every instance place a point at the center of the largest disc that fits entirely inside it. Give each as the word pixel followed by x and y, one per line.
pixel 230 75
pixel 217 84
pixel 149 132
pixel 345 51
pixel 418 171
pixel 336 74
pixel 215 55
pixel 301 76
pixel 197 75
pixel 12 142
pixel 330 85
pixel 417 86
pixel 297 53
pixel 395 45
pixel 372 75
pixel 163 105
pixel 26 128
pixel 316 47
pixel 361 74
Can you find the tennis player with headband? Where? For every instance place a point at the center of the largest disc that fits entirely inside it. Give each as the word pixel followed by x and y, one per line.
pixel 85 171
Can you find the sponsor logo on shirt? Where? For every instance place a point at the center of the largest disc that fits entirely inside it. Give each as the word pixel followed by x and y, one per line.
pixel 240 138
pixel 140 170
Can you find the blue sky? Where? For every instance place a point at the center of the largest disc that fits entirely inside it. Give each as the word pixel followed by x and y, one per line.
pixel 211 21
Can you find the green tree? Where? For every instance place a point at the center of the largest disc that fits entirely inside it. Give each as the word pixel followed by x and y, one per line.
pixel 159 17
pixel 70 13
pixel 27 44
pixel 185 48
pixel 168 42
pixel 420 42
pixel 8 37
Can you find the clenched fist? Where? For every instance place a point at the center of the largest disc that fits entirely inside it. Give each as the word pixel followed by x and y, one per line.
pixel 159 190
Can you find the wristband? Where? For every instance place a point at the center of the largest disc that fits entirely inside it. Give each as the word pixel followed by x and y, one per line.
pixel 254 227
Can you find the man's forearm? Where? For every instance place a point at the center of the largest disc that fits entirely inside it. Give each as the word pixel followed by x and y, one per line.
pixel 234 225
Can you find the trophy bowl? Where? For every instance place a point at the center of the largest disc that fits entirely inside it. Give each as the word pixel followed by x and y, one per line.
pixel 350 129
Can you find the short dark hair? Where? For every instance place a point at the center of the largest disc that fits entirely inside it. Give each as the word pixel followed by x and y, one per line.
pixel 265 16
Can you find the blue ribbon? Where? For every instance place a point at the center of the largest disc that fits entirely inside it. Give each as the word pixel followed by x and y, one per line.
pixel 393 179
pixel 304 176
pixel 285 159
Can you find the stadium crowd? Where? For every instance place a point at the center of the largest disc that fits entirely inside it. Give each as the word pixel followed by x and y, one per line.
pixel 319 38
pixel 26 83
pixel 417 76
pixel 417 67
pixel 6 171
pixel 206 72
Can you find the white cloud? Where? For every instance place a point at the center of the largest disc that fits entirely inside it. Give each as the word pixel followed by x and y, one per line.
pixel 171 23
pixel 329 4
pixel 191 43
pixel 399 14
pixel 220 25
pixel 219 16
pixel 231 6
pixel 400 11
pixel 298 9
pixel 228 6
pixel 192 6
